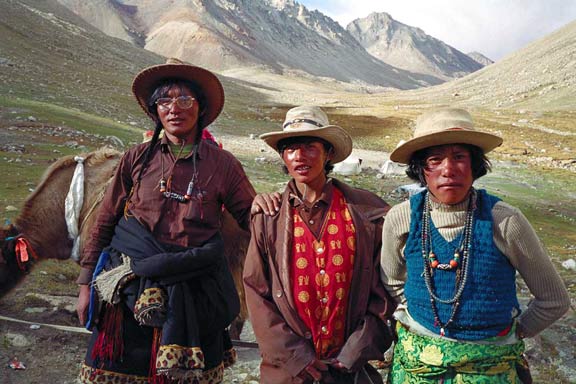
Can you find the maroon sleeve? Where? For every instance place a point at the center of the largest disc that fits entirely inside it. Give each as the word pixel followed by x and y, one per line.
pixel 240 194
pixel 111 209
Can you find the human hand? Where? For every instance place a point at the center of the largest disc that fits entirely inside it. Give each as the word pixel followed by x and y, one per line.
pixel 269 203
pixel 519 332
pixel 83 303
pixel 314 370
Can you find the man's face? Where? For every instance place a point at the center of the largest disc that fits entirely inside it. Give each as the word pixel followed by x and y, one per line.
pixel 305 160
pixel 448 173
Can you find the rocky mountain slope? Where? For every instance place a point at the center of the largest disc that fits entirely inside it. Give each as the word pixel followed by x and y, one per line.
pixel 49 54
pixel 106 15
pixel 480 58
pixel 410 48
pixel 281 36
pixel 540 76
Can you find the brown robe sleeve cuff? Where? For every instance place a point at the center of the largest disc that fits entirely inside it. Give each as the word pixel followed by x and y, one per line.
pixel 85 276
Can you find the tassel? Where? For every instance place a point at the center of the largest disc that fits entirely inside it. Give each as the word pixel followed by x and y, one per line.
pixel 153 376
pixel 128 202
pixel 24 251
pixel 109 346
pixel 188 194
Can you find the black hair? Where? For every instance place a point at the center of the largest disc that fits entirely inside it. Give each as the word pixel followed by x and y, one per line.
pixel 478 161
pixel 162 90
pixel 284 143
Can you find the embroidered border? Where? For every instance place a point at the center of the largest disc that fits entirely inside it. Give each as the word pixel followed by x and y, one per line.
pixel 90 375
pixel 150 308
pixel 175 356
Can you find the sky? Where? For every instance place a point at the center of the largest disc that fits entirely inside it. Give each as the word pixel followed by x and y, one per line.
pixel 495 28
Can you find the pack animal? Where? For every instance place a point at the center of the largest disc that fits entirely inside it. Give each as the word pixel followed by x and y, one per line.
pixel 41 232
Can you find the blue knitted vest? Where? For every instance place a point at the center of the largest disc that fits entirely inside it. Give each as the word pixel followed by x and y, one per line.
pixel 488 302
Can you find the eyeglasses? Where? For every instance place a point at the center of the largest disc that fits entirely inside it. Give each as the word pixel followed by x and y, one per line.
pixel 182 102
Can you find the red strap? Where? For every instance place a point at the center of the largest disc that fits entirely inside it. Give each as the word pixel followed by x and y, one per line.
pixel 23 251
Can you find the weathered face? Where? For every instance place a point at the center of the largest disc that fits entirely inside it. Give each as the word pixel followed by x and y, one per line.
pixel 305 161
pixel 180 123
pixel 448 173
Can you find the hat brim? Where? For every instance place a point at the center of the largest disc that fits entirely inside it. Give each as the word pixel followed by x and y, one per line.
pixel 335 135
pixel 147 80
pixel 486 141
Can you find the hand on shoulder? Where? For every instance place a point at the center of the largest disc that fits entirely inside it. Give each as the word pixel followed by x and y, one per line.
pixel 267 203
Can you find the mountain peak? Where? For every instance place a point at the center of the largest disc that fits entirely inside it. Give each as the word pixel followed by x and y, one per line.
pixel 480 58
pixel 383 16
pixel 281 36
pixel 282 4
pixel 409 48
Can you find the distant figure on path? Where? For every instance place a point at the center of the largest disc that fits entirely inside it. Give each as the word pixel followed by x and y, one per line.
pixel 313 290
pixel 450 256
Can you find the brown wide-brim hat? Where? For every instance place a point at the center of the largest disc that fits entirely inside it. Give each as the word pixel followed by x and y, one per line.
pixel 312 121
pixel 146 82
pixel 442 127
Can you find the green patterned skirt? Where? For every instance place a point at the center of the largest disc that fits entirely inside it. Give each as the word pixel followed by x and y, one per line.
pixel 422 360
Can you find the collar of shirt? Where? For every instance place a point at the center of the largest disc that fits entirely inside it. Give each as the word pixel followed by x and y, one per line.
pixel 201 148
pixel 296 200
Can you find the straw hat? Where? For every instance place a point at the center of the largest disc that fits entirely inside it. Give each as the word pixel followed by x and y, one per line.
pixel 441 127
pixel 312 121
pixel 147 80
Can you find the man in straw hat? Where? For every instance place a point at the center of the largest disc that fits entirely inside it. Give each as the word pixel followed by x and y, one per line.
pixel 450 256
pixel 316 302
pixel 155 255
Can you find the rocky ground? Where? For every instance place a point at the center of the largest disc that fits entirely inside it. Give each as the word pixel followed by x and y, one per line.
pixel 35 352
pixel 52 355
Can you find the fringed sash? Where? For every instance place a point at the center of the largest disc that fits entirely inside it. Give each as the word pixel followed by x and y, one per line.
pixel 182 293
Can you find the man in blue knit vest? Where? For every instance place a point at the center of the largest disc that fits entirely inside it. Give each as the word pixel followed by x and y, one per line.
pixel 449 258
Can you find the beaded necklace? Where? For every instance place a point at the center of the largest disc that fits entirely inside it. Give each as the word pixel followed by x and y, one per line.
pixel 459 263
pixel 166 184
pixel 318 243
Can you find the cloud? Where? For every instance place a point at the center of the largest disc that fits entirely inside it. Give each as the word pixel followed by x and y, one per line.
pixel 494 28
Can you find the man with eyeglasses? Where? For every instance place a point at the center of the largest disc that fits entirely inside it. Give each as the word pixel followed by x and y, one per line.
pixel 156 256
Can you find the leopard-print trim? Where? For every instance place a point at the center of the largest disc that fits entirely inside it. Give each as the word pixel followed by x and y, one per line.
pixel 175 356
pixel 150 308
pixel 230 357
pixel 213 376
pixel 90 375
